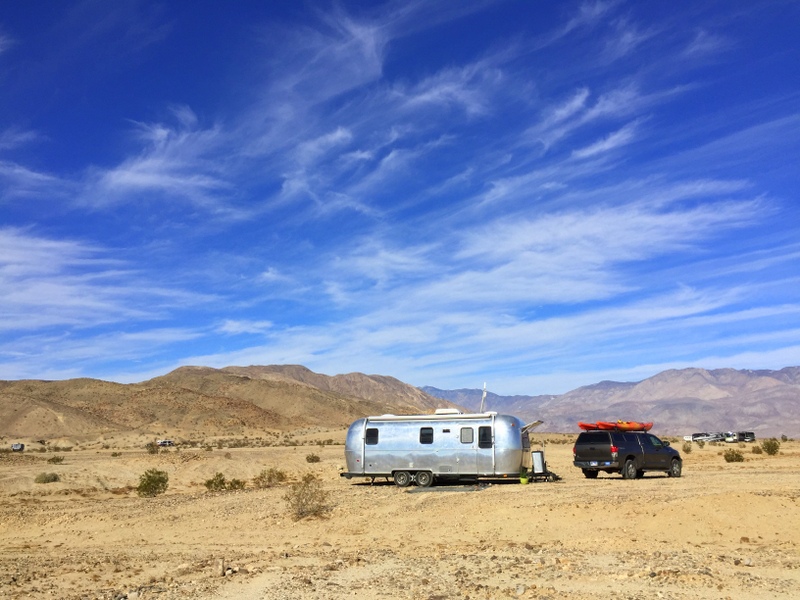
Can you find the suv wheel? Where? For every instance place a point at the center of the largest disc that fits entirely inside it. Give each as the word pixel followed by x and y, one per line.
pixel 629 470
pixel 675 468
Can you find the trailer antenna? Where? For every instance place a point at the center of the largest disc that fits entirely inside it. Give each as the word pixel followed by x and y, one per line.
pixel 483 397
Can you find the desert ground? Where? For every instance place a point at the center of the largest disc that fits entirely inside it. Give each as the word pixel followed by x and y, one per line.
pixel 723 530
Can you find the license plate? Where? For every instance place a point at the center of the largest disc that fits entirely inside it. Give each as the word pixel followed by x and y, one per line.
pixel 592 463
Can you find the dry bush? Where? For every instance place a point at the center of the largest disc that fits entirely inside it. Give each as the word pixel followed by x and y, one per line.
pixel 306 498
pixel 55 460
pixel 757 450
pixel 47 478
pixel 152 483
pixel 218 483
pixel 268 478
pixel 687 447
pixel 312 458
pixel 731 455
pixel 771 446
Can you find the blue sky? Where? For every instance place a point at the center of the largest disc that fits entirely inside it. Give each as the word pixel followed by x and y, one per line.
pixel 537 195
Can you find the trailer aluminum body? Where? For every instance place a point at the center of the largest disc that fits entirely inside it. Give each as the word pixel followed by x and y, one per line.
pixel 445 445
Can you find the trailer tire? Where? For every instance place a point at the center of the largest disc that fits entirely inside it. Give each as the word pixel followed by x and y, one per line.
pixel 424 479
pixel 401 478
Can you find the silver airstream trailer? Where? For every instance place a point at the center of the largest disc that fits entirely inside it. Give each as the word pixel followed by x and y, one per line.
pixel 446 445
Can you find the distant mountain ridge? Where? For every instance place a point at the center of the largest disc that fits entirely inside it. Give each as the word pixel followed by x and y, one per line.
pixel 678 401
pixel 203 401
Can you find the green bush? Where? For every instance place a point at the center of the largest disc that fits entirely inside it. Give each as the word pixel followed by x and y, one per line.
pixel 687 447
pixel 306 498
pixel 268 478
pixel 218 483
pixel 151 447
pixel 757 450
pixel 771 446
pixel 47 478
pixel 700 444
pixel 312 458
pixel 731 455
pixel 784 438
pixel 152 483
pixel 235 484
pixel 55 460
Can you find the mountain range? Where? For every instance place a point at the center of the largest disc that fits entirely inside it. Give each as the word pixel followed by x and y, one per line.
pixel 676 401
pixel 192 401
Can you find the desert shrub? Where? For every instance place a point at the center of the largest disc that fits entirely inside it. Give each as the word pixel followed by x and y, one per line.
pixel 687 447
pixel 55 460
pixel 784 438
pixel 116 454
pixel 47 478
pixel 268 478
pixel 757 450
pixel 152 483
pixel 701 444
pixel 151 447
pixel 312 458
pixel 771 446
pixel 731 455
pixel 228 455
pixel 306 498
pixel 216 483
pixel 235 484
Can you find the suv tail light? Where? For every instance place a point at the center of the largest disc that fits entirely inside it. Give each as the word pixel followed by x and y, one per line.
pixel 573 451
pixel 614 449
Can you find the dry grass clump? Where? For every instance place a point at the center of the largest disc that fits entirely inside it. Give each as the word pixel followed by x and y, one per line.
pixel 306 498
pixel 268 478
pixel 47 478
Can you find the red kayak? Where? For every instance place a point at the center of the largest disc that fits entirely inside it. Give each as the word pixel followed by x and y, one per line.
pixel 616 426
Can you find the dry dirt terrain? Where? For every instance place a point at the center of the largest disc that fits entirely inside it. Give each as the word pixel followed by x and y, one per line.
pixel 723 530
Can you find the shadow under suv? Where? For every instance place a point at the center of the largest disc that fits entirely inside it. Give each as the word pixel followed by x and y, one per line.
pixel 628 453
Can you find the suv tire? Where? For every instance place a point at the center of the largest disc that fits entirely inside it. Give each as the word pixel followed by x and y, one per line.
pixel 675 468
pixel 629 469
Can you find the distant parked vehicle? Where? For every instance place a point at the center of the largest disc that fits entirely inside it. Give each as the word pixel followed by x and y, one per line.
pixel 165 443
pixel 17 447
pixel 740 436
pixel 705 437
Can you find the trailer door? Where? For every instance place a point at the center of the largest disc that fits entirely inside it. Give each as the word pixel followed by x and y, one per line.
pixel 486 450
pixel 468 452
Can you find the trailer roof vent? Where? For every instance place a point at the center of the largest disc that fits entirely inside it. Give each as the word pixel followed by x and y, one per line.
pixel 448 411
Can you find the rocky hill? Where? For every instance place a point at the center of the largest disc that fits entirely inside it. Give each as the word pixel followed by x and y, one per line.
pixel 677 401
pixel 203 401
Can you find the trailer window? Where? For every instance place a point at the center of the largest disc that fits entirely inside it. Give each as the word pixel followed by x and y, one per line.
pixel 484 437
pixel 467 435
pixel 372 436
pixel 426 435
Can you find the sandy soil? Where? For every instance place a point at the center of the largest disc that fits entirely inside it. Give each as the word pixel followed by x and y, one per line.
pixel 723 530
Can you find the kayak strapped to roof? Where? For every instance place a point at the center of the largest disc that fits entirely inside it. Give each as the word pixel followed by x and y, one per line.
pixel 616 426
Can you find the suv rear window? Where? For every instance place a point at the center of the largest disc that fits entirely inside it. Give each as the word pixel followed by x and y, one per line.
pixel 593 437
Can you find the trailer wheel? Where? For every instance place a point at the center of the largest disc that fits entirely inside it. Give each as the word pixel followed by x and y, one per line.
pixel 402 478
pixel 424 478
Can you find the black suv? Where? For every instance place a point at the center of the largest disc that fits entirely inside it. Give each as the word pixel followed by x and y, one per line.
pixel 629 453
